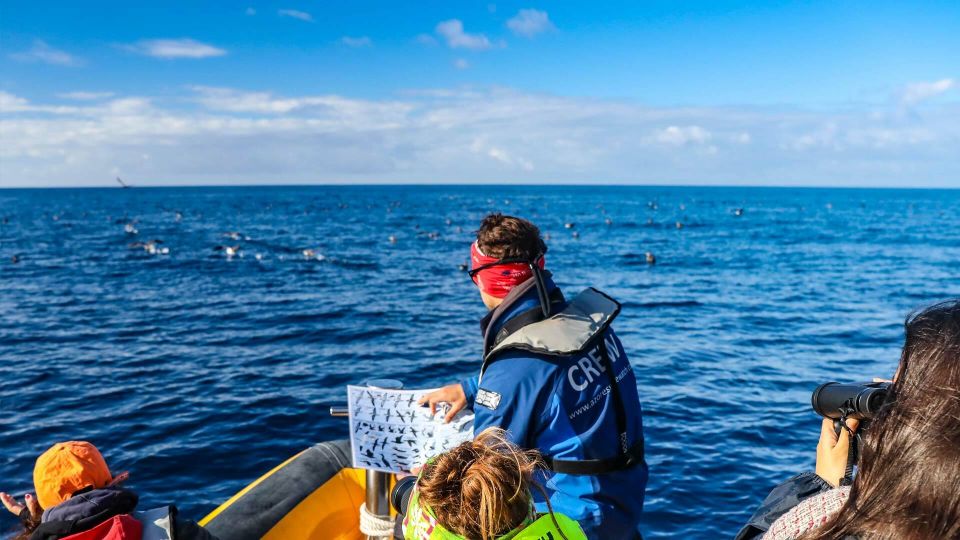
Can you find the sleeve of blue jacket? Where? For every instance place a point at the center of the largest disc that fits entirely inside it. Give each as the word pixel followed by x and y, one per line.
pixel 470 390
pixel 513 395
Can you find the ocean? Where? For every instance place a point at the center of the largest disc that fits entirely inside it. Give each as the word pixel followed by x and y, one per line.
pixel 198 371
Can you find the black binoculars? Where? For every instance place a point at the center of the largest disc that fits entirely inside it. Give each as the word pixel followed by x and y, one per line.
pixel 400 496
pixel 858 401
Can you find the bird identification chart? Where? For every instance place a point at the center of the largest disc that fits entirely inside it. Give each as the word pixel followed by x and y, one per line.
pixel 391 432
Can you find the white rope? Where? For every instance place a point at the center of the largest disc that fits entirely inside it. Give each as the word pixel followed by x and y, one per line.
pixel 374 525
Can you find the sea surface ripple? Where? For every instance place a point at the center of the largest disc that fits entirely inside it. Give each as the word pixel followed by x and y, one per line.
pixel 198 372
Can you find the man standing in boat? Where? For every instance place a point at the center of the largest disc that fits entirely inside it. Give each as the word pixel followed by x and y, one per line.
pixel 556 377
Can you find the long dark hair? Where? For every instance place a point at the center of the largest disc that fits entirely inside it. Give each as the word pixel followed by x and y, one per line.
pixel 908 485
pixel 27 531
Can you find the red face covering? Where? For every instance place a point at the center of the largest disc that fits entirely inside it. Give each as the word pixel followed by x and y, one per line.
pixel 499 279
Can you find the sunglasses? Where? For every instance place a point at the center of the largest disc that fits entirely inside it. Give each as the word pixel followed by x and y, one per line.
pixel 474 271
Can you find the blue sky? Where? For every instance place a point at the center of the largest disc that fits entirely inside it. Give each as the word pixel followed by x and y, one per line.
pixel 768 93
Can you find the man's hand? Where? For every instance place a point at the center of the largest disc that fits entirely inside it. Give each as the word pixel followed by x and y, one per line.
pixel 452 395
pixel 832 451
pixel 15 508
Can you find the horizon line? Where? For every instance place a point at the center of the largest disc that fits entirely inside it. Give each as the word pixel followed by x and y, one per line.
pixel 107 186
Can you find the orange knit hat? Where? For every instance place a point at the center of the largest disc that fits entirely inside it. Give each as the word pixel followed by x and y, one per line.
pixel 65 469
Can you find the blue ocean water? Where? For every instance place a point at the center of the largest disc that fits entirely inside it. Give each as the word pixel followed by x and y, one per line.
pixel 198 372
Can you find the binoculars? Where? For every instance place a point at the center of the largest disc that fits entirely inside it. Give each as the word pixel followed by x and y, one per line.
pixel 400 496
pixel 859 401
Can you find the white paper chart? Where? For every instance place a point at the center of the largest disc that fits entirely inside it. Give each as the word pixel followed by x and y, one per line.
pixel 390 432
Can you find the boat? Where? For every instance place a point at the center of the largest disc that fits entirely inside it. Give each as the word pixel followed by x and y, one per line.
pixel 314 495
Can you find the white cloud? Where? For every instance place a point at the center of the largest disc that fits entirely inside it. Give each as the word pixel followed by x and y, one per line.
pixel 333 106
pixel 296 14
pixel 920 91
pixel 250 11
pixel 357 42
pixel 175 48
pixel 452 31
pixel 682 135
pixel 461 63
pixel 127 106
pixel 530 22
pixel 504 157
pixel 42 52
pixel 11 103
pixel 465 135
pixel 85 96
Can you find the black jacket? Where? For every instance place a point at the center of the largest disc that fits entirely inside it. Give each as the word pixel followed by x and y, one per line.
pixel 85 511
pixel 780 500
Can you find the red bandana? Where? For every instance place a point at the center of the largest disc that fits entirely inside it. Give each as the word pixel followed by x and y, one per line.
pixel 498 280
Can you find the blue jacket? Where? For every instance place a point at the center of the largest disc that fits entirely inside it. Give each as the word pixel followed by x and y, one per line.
pixel 563 407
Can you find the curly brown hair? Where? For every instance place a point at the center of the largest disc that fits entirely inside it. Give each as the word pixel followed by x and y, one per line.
pixel 481 489
pixel 509 237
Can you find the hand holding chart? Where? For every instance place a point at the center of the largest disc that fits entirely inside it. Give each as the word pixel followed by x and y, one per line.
pixel 391 432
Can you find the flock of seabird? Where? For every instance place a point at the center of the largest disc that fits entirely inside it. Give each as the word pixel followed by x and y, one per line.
pixel 156 247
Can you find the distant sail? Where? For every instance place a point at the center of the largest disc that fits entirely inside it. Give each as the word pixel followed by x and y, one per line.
pixel 122 184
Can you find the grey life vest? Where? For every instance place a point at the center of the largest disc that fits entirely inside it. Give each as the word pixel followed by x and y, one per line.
pixel 573 331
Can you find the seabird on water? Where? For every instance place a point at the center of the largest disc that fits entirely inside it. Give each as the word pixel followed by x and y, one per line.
pixel 152 247
pixel 230 251
pixel 312 254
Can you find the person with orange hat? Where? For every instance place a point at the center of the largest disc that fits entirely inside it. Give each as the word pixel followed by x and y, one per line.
pixel 78 498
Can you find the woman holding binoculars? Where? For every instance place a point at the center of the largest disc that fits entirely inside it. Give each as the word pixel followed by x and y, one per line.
pixel 908 480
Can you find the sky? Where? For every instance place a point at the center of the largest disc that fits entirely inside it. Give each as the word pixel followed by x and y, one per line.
pixel 815 93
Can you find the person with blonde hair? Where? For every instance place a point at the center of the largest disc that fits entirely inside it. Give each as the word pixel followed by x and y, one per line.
pixel 482 490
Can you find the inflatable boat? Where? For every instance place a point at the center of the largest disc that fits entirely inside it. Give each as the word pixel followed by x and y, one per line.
pixel 315 495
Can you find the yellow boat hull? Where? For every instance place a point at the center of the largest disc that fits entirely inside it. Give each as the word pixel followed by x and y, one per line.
pixel 315 495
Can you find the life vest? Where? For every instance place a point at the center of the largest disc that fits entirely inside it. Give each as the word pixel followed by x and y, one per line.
pixel 156 524
pixel 421 524
pixel 572 331
pixel 123 527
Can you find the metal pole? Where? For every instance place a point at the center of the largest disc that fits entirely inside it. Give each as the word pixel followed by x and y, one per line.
pixel 378 483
